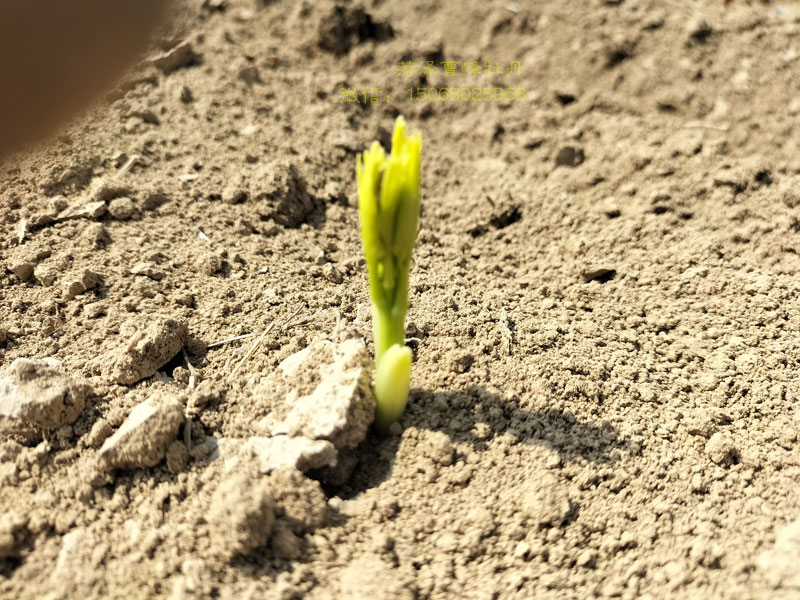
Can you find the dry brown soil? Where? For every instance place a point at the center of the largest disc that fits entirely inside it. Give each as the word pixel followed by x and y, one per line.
pixel 604 307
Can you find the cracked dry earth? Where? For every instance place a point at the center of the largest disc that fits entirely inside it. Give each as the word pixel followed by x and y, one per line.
pixel 604 312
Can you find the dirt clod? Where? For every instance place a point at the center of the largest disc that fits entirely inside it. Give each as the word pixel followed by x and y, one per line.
pixel 36 397
pixel 180 56
pixel 143 438
pixel 241 514
pixel 341 406
pixel 154 342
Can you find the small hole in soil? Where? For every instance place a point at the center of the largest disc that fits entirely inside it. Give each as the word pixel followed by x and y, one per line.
pixel 764 177
pixel 506 218
pixel 175 362
pixel 565 99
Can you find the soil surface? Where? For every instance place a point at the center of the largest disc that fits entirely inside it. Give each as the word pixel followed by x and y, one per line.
pixel 603 310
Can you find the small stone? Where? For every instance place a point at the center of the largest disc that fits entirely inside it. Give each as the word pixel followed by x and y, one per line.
pixel 587 559
pixel 103 190
pixel 463 362
pixel 282 195
pixel 58 203
pixel 698 485
pixel 439 448
pixel 185 299
pixel 234 193
pixel 148 269
pixel 284 542
pixel 210 263
pixel 207 449
pixel 522 549
pixel 122 209
pixel 36 397
pixel 205 393
pixel 95 235
pixel 23 270
pixel 721 450
pixel 332 274
pixel 73 289
pixel 45 275
pixel 90 279
pixel 95 310
pixel 570 156
pixel 250 75
pixel 182 55
pixel 143 438
pixel 100 431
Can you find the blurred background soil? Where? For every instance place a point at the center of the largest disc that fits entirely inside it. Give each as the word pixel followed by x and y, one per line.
pixel 603 307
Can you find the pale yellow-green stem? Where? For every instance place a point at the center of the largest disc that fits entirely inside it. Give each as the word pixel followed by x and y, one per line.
pixel 388 206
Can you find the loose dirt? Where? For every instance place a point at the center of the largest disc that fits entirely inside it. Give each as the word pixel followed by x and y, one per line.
pixel 603 311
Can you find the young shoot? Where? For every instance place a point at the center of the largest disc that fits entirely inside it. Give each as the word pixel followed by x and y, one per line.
pixel 388 206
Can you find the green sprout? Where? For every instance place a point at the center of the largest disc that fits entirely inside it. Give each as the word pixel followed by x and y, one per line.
pixel 388 206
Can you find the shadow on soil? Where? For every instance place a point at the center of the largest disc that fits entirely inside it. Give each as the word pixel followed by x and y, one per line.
pixel 476 416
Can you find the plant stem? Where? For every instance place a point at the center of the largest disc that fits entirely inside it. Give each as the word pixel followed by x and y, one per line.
pixel 388 327
pixel 392 382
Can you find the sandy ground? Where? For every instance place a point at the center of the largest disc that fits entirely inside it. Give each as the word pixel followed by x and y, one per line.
pixel 603 311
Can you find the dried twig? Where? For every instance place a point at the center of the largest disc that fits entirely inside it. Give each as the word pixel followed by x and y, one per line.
pixel 231 339
pixel 701 125
pixel 127 166
pixel 192 371
pixel 258 341
pixel 187 423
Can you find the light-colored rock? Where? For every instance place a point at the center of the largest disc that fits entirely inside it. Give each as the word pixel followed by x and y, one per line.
pixel 272 453
pixel 122 209
pixel 342 406
pixel 721 449
pixel 89 280
pixel 182 55
pixel 143 438
pixel 83 209
pixel 45 275
pixel 36 397
pixel 148 269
